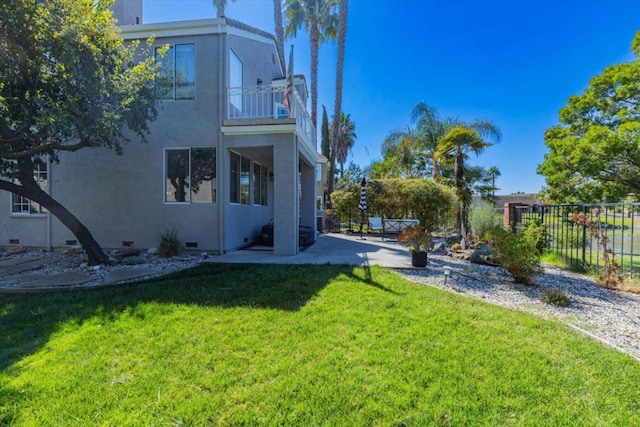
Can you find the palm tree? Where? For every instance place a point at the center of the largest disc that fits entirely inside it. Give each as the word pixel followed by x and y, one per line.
pixel 345 140
pixel 430 129
pixel 279 30
pixel 457 143
pixel 402 146
pixel 319 20
pixel 341 152
pixel 220 6
pixel 492 173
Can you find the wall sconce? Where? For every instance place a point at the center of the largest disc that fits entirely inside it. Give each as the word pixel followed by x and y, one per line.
pixel 259 82
pixel 447 273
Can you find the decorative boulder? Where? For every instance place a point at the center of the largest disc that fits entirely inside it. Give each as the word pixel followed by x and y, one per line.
pixel 482 255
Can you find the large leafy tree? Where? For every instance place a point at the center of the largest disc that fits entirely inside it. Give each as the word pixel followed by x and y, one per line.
pixel 320 21
pixel 67 82
pixel 595 150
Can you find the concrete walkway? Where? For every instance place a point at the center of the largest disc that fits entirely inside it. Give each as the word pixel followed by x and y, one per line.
pixel 331 249
pixel 21 274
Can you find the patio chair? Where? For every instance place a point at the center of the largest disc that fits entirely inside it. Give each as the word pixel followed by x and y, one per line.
pixel 375 224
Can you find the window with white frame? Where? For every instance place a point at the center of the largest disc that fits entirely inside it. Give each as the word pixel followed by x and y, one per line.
pixel 190 175
pixel 259 184
pixel 236 70
pixel 177 76
pixel 21 205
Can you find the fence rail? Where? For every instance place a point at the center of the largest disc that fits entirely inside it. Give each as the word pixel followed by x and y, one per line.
pixel 618 223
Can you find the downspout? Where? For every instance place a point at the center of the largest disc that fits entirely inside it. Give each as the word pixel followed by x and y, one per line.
pixel 221 154
pixel 49 219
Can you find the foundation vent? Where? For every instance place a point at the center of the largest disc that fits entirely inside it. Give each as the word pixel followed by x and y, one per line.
pixel 191 244
pixel 127 244
pixel 71 242
pixel 14 241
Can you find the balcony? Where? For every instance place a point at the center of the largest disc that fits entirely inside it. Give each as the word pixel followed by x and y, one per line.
pixel 264 105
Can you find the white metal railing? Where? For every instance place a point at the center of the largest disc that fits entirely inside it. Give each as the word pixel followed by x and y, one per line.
pixel 267 102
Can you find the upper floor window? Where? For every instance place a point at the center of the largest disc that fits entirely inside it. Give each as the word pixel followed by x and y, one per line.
pixel 177 75
pixel 23 206
pixel 235 81
pixel 190 175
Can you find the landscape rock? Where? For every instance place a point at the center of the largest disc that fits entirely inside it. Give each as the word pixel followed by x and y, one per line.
pixel 153 251
pixel 482 255
pixel 439 248
pixel 17 250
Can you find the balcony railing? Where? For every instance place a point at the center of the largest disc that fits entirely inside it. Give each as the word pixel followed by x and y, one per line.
pixel 267 102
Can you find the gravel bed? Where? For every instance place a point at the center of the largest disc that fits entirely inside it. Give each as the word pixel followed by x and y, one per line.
pixel 610 316
pixel 63 262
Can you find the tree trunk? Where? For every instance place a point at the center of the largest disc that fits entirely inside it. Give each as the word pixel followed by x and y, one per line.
pixel 279 30
pixel 337 109
pixel 32 191
pixel 459 176
pixel 220 6
pixel 315 46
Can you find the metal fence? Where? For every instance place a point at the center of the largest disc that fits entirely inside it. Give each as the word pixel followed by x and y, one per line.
pixel 616 228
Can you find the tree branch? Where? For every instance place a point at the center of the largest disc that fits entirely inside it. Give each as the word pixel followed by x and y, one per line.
pixel 48 146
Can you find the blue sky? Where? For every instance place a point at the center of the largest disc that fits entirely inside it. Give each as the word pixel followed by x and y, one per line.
pixel 514 62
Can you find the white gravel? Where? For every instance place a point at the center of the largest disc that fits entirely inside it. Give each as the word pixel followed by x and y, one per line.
pixel 610 316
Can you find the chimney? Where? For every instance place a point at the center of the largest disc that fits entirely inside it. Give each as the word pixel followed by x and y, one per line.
pixel 128 12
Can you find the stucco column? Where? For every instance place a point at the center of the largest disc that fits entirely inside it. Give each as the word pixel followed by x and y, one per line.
pixel 308 197
pixel 285 197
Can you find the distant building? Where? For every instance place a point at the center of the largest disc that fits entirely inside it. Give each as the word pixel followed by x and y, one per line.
pixel 522 198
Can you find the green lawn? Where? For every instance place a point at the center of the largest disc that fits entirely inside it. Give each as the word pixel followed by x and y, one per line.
pixel 299 345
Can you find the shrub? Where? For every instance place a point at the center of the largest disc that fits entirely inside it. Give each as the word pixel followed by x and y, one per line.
pixel 610 276
pixel 170 245
pixel 516 254
pixel 536 233
pixel 556 297
pixel 482 218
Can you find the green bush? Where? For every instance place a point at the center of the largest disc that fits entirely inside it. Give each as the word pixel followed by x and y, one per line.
pixel 516 254
pixel 483 218
pixel 170 245
pixel 556 297
pixel 536 233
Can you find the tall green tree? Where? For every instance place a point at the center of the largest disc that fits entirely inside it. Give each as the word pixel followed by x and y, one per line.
pixel 325 140
pixel 320 21
pixel 594 153
pixel 338 151
pixel 67 82
pixel 345 140
pixel 492 174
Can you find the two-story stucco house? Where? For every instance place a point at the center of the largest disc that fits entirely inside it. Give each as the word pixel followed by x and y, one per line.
pixel 226 155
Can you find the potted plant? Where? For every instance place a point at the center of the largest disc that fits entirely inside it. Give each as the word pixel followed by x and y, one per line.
pixel 418 239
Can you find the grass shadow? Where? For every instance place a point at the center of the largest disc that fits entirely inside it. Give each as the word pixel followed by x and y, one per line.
pixel 28 320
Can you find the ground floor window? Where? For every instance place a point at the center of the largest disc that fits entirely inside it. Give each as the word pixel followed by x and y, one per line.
pixel 190 175
pixel 243 177
pixel 23 206
pixel 259 184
